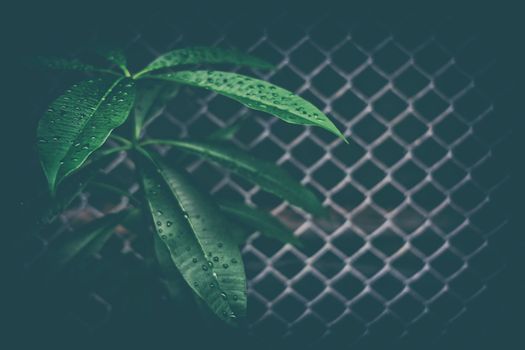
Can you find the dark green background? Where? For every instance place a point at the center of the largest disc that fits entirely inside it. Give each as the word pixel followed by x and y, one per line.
pixel 497 320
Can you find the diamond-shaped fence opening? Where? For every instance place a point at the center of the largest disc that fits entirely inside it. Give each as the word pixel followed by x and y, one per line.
pixel 412 191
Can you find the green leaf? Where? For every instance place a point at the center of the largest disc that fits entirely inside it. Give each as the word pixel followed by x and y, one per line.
pixel 55 63
pixel 204 55
pixel 197 236
pixel 256 94
pixel 227 133
pixel 172 277
pixel 49 207
pixel 71 188
pixel 79 244
pixel 43 208
pixel 116 57
pixel 261 221
pixel 263 173
pixel 79 122
pixel 150 101
pixel 73 185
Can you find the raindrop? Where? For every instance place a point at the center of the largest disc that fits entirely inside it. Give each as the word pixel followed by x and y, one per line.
pixel 212 285
pixel 168 223
pixel 194 260
pixel 159 212
pixel 225 266
pixel 163 236
pixel 219 244
pixel 159 223
pixel 215 258
pixel 234 261
pixel 224 296
pixel 205 267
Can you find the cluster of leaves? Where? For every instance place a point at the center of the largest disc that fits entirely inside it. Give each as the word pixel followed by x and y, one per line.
pixel 197 237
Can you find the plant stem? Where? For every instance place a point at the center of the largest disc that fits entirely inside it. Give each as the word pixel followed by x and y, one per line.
pixel 113 150
pixel 121 139
pixel 116 190
pixel 109 71
pixel 126 72
pixel 179 160
pixel 159 142
pixel 137 75
pixel 141 150
pixel 105 153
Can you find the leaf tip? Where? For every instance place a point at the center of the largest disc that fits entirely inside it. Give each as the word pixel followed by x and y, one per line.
pixel 266 65
pixel 296 242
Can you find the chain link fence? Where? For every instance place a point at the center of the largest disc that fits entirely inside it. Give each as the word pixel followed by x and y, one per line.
pixel 412 199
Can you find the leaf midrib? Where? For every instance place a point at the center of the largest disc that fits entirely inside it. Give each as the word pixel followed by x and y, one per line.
pixel 162 174
pixel 81 129
pixel 254 98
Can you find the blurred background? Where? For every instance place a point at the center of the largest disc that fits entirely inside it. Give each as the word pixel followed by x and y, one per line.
pixel 422 246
